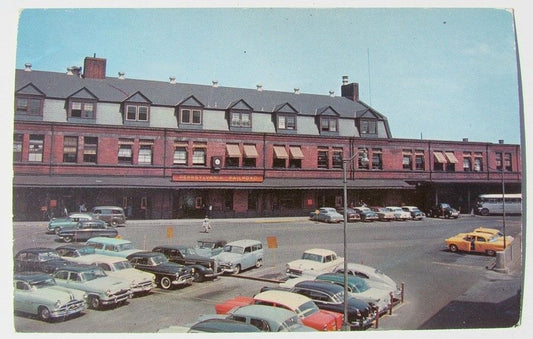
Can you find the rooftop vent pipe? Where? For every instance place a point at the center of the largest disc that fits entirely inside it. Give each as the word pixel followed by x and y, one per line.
pixel 28 67
pixel 121 75
pixel 215 83
pixel 296 91
pixel 172 80
pixel 260 88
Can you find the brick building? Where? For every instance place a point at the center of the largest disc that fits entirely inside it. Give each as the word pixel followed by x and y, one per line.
pixel 163 149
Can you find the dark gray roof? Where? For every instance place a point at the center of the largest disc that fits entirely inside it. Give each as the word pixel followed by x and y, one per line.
pixel 160 93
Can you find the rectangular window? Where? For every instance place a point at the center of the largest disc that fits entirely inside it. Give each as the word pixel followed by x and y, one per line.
pixel 407 160
pixel 296 156
pixel 377 160
pixel 508 163
pixel 467 161
pixel 439 161
pixel 36 148
pixel 199 157
pixel 499 161
pixel 90 149
pixel 280 157
pixel 368 126
pixel 478 162
pixel 233 155
pixel 336 158
pixel 363 161
pixel 137 113
pixel 29 106
pixel 125 151
pixel 18 140
pixel 419 160
pixel 250 156
pixel 190 116
pixel 70 149
pixel 328 124
pixel 180 155
pixel 80 109
pixel 286 122
pixel 240 119
pixel 145 155
pixel 323 158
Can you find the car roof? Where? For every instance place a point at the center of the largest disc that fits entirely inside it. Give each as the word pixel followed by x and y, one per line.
pixel 77 268
pixel 265 312
pixel 320 285
pixel 287 298
pixel 145 254
pixel 243 242
pixel 339 277
pixel 172 247
pixel 38 250
pixel 89 259
pixel 81 214
pixel 31 276
pixel 223 325
pixel 105 240
pixel 320 251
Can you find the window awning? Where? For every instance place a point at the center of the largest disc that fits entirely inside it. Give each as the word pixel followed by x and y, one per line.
pixel 451 157
pixel 233 151
pixel 250 151
pixel 296 152
pixel 280 152
pixel 439 157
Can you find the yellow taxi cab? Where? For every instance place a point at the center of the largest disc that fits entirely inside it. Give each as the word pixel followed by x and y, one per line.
pixel 477 242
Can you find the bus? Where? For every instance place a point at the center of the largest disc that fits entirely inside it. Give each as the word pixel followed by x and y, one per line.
pixel 493 204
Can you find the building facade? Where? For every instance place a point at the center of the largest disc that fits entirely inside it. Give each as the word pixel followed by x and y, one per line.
pixel 163 149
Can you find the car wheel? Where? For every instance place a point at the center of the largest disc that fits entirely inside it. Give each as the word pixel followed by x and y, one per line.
pixel 56 230
pixel 484 212
pixel 259 263
pixel 453 248
pixel 165 283
pixel 114 223
pixel 44 313
pixel 94 302
pixel 237 269
pixel 197 276
pixel 491 253
pixel 67 238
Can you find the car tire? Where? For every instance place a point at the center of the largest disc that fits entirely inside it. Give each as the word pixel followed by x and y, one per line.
pixel 484 212
pixel 453 248
pixel 94 302
pixel 491 253
pixel 114 223
pixel 44 313
pixel 56 230
pixel 237 269
pixel 259 263
pixel 165 283
pixel 67 238
pixel 197 276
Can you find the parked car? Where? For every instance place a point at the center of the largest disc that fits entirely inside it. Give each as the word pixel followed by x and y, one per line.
pixel 86 230
pixel 69 221
pixel 366 214
pixel 38 294
pixel 212 325
pixel 369 273
pixel 416 213
pixel 351 214
pixel 140 282
pixel 400 214
pixel 113 215
pixel 384 213
pixel 101 289
pixel 492 231
pixel 75 252
pixel 209 248
pixel 375 294
pixel 477 242
pixel 167 274
pixel 38 259
pixel 443 210
pixel 269 319
pixel 304 307
pixel 205 268
pixel 112 246
pixel 240 255
pixel 330 297
pixel 326 214
pixel 313 261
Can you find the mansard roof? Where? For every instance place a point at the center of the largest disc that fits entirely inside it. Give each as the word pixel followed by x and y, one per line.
pixel 161 93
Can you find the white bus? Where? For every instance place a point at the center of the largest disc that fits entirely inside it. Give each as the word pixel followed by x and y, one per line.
pixel 493 204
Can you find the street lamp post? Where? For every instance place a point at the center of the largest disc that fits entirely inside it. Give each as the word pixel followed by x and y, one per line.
pixel 364 161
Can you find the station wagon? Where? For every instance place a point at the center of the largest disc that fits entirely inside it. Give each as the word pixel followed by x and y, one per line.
pixel 240 255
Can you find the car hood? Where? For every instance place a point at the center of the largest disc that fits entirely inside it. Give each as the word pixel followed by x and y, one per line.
pixel 60 293
pixel 104 283
pixel 170 267
pixel 227 256
pixel 304 265
pixel 132 274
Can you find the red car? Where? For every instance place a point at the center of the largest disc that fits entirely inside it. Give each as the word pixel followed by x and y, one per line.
pixel 303 306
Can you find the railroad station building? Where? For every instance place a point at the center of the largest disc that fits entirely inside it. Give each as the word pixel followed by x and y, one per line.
pixel 164 149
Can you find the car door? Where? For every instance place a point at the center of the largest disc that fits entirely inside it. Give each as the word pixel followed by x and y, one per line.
pixel 22 299
pixel 247 258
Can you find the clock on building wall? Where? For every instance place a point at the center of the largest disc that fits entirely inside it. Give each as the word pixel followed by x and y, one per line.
pixel 217 162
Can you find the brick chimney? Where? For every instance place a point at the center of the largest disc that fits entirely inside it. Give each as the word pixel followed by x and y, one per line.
pixel 350 90
pixel 94 68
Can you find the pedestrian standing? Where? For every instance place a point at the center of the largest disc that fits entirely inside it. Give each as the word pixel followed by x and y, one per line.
pixel 206 225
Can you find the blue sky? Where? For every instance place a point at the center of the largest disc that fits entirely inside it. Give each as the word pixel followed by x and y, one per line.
pixel 440 74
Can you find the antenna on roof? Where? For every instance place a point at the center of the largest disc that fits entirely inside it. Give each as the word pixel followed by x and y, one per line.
pixel 94 55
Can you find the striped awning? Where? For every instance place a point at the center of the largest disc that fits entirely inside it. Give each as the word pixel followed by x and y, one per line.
pixel 451 157
pixel 439 157
pixel 233 150
pixel 280 152
pixel 296 152
pixel 250 151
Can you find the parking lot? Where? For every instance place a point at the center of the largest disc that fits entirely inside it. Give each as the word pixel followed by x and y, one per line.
pixel 410 252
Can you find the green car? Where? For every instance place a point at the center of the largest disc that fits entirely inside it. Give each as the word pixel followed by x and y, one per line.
pixel 68 222
pixel 101 289
pixel 38 294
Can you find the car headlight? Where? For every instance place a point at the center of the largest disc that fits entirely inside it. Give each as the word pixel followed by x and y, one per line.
pixel 133 283
pixel 57 304
pixel 108 292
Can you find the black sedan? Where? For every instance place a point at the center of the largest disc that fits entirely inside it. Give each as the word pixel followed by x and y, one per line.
pixel 86 230
pixel 204 268
pixel 38 259
pixel 167 274
pixel 328 296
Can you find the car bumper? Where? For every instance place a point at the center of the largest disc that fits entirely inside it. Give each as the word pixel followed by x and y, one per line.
pixel 187 280
pixel 117 298
pixel 143 287
pixel 68 309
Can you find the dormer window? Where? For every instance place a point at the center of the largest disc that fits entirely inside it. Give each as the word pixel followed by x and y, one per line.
pixel 328 124
pixel 137 112
pixel 285 118
pixel 286 122
pixel 368 126
pixel 190 116
pixel 190 113
pixel 241 119
pixel 80 109
pixel 239 115
pixel 29 106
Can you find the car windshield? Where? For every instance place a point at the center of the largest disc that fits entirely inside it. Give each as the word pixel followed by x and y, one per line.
pixel 159 259
pixel 311 256
pixel 233 249
pixel 493 239
pixel 93 274
pixel 121 265
pixel 45 256
pixel 307 308
pixel 338 297
pixel 445 206
pixel 361 286
pixel 125 246
pixel 43 283
pixel 288 324
pixel 86 250
pixel 205 244
pixel 189 251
